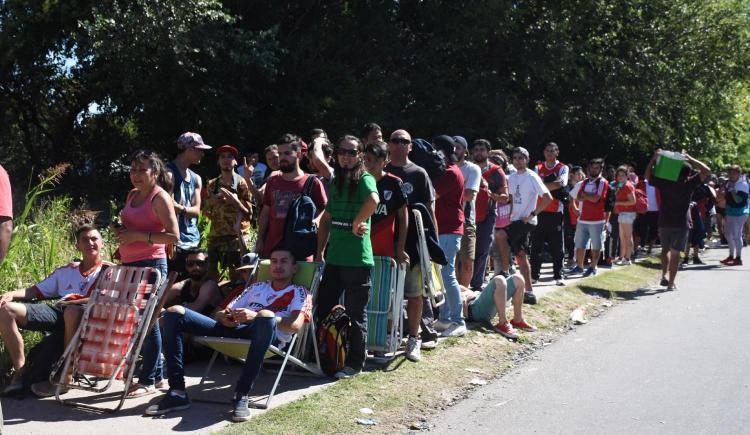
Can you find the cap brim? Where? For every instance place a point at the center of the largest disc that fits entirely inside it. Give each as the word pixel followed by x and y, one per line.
pixel 246 267
pixel 203 147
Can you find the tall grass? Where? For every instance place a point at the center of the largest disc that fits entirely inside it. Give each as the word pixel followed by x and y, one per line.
pixel 42 240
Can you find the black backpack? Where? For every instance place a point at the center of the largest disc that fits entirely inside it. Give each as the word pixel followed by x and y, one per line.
pixel 609 201
pixel 300 231
pixel 42 358
pixel 424 154
pixel 333 337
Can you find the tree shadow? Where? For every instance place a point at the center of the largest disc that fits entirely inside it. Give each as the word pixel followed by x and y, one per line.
pixel 626 295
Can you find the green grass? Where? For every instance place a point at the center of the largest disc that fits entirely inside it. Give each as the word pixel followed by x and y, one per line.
pixel 402 392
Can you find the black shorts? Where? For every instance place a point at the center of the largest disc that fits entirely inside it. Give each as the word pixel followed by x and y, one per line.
pixel 519 234
pixel 44 317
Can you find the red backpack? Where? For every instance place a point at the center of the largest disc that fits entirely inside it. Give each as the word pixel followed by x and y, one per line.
pixel 641 199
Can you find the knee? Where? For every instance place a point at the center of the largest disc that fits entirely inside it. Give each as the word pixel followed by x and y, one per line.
pixel 175 310
pixel 500 285
pixel 518 281
pixel 265 314
pixel 72 313
pixel 8 312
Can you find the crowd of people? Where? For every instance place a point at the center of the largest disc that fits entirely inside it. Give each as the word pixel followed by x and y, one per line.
pixel 496 219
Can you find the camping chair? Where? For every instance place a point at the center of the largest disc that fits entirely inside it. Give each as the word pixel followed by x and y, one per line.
pixel 309 275
pixel 114 325
pixel 431 278
pixel 385 318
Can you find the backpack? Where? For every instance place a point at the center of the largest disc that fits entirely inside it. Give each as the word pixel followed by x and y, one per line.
pixel 424 154
pixel 609 200
pixel 300 231
pixel 42 358
pixel 641 199
pixel 333 337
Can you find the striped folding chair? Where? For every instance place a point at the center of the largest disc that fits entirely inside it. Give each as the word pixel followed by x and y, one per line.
pixel 309 275
pixel 431 278
pixel 114 325
pixel 385 318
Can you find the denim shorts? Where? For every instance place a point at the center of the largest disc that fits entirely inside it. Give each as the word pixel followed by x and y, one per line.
pixel 586 232
pixel 483 308
pixel 44 317
pixel 627 217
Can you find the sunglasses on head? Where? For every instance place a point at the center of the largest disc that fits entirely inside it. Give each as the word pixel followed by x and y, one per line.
pixel 345 152
pixel 400 141
pixel 196 263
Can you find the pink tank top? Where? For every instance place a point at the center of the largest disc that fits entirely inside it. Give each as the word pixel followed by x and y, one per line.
pixel 142 218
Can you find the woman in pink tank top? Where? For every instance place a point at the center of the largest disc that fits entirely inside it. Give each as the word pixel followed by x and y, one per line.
pixel 149 223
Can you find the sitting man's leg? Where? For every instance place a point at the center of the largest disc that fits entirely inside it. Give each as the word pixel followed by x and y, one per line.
pixel 261 332
pixel 13 315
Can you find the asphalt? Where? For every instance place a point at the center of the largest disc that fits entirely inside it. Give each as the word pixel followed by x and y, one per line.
pixel 662 363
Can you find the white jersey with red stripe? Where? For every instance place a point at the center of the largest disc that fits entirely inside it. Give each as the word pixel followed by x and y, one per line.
pixel 287 302
pixel 68 280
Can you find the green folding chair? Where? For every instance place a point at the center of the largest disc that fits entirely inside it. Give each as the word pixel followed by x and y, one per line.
pixel 385 318
pixel 309 275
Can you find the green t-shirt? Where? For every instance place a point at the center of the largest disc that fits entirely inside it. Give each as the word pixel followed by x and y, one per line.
pixel 344 248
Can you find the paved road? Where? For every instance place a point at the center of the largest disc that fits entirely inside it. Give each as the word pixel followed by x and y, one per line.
pixel 666 362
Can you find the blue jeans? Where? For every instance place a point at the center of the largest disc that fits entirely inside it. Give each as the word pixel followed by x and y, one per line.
pixel 151 367
pixel 452 309
pixel 261 331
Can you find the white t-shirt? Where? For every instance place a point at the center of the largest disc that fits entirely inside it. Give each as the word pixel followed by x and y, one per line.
pixel 524 189
pixel 68 280
pixel 287 302
pixel 472 177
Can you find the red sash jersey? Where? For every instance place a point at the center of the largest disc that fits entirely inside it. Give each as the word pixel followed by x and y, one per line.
pixel 593 212
pixel 542 170
pixel 495 181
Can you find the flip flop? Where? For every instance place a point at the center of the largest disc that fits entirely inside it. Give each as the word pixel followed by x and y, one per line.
pixel 138 390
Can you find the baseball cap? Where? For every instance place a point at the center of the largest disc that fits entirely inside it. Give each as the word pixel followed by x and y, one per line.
pixel 191 140
pixel 521 150
pixel 461 140
pixel 228 149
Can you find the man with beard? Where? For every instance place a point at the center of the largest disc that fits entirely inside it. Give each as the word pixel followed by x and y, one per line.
pixel 591 194
pixel 281 191
pixel 198 292
pixel 256 175
pixel 418 189
pixel 228 207
pixel 186 194
pixel 344 243
pixel 472 179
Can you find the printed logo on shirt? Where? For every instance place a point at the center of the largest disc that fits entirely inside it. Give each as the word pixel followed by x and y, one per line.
pixel 387 195
pixel 283 200
pixel 408 188
pixel 517 196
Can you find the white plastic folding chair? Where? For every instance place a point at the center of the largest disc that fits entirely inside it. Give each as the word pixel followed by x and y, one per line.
pixel 109 339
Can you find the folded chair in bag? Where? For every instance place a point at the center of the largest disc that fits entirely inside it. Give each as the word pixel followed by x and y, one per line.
pixel 309 275
pixel 430 271
pixel 114 325
pixel 385 320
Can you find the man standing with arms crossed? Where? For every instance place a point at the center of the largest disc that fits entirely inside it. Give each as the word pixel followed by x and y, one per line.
pixel 525 187
pixel 472 178
pixel 554 174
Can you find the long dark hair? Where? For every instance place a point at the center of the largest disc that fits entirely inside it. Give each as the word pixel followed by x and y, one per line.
pixel 349 177
pixel 157 166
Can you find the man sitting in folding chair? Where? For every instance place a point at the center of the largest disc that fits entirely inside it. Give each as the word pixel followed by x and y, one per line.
pixel 267 312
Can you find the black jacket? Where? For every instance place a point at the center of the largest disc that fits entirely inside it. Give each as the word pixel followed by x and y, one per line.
pixel 433 246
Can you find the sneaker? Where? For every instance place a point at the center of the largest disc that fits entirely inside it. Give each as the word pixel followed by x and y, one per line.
pixel 428 345
pixel 560 281
pixel 589 272
pixel 241 411
pixel 529 298
pixel 44 389
pixel 607 263
pixel 413 352
pixel 618 261
pixel 346 373
pixel 664 282
pixel 727 260
pixel 672 287
pixel 534 280
pixel 506 330
pixel 522 325
pixel 697 260
pixel 455 330
pixel 15 385
pixel 736 262
pixel 574 271
pixel 172 401
pixel 441 325
pixel 626 262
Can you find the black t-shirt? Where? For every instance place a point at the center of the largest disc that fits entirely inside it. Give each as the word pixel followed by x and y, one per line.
pixel 417 185
pixel 675 199
pixel 392 198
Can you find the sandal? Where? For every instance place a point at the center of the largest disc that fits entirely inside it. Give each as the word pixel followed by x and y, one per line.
pixel 138 390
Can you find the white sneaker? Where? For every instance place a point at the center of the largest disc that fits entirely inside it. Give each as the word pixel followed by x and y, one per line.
pixel 441 325
pixel 429 345
pixel 560 282
pixel 626 262
pixel 455 330
pixel 413 352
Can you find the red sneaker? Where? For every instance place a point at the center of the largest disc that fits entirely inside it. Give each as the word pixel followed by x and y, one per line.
pixel 522 325
pixel 506 330
pixel 727 261
pixel 735 262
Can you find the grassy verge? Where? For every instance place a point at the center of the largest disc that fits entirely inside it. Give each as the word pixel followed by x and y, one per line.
pixel 403 394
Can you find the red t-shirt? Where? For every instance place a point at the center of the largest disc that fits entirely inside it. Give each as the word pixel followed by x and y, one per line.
pixel 392 198
pixel 449 207
pixel 495 181
pixel 593 212
pixel 622 195
pixel 6 200
pixel 279 195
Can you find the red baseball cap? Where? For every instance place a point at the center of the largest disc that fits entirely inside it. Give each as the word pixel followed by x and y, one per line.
pixel 228 149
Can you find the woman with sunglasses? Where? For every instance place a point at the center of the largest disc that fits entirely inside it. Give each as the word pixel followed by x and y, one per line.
pixel 149 224
pixel 345 229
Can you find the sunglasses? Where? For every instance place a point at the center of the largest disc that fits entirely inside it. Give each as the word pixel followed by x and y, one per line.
pixel 400 141
pixel 196 263
pixel 344 152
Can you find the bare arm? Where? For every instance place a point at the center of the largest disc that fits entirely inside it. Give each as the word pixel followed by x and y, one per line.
pixel 367 209
pixel 317 159
pixel 323 230
pixel 469 195
pixel 6 230
pixel 206 292
pixel 163 207
pixel 194 209
pixel 290 324
pixel 705 171
pixel 403 229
